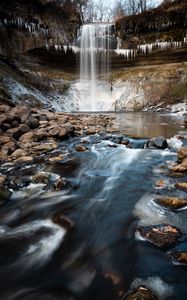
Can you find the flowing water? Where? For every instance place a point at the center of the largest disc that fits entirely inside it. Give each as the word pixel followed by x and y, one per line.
pixel 96 41
pixel 112 191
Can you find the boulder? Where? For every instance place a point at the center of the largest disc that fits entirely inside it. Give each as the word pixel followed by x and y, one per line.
pixel 14 133
pixel 179 257
pixel 15 124
pixel 5 195
pixel 180 168
pixel 3 179
pixel 41 133
pixel 44 147
pixel 140 293
pixel 21 110
pixel 41 177
pixel 5 126
pixel 161 236
pixel 61 184
pixel 4 139
pixel 28 137
pixel 172 202
pixel 157 143
pixel 63 221
pixel 24 160
pixel 4 108
pixel 33 122
pixel 9 148
pixel 80 148
pixel 182 153
pixel 24 128
pixel 181 185
pixel 19 153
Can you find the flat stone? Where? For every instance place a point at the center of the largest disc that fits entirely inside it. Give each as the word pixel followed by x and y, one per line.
pixel 172 202
pixel 19 153
pixel 24 159
pixel 161 236
pixel 141 293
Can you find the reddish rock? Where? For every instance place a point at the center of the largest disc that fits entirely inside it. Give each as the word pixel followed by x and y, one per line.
pixel 160 235
pixel 141 293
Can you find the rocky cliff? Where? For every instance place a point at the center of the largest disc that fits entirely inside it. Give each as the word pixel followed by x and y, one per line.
pixel 168 22
pixel 32 24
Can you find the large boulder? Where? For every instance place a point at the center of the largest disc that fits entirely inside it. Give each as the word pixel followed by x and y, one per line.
pixel 157 143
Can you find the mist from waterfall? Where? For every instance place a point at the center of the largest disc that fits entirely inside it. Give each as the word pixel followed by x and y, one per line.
pixel 95 43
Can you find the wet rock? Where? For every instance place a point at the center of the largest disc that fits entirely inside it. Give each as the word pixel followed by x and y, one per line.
pixel 63 221
pixel 3 179
pixel 9 148
pixel 61 184
pixel 21 110
pixel 80 148
pixel 160 235
pixel 180 168
pixel 158 143
pixel 172 202
pixel 56 158
pixel 182 153
pixel 24 160
pixel 62 133
pixel 41 177
pixel 5 195
pixel 181 185
pixel 179 257
pixel 141 293
pixel 19 153
pixel 43 117
pixel 14 133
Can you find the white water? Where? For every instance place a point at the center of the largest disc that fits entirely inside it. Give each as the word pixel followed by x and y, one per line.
pixel 94 61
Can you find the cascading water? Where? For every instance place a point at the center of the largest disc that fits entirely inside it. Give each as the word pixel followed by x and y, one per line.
pixel 96 40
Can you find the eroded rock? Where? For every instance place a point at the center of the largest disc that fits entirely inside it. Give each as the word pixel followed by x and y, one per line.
pixel 160 235
pixel 80 148
pixel 179 257
pixel 41 177
pixel 172 202
pixel 141 293
pixel 158 143
pixel 181 185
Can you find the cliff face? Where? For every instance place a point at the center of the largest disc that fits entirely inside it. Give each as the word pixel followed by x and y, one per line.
pixel 165 23
pixel 27 25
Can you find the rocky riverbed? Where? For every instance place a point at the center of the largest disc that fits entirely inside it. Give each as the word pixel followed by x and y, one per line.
pixel 90 209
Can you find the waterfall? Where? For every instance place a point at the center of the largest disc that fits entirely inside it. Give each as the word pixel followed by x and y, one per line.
pixel 96 40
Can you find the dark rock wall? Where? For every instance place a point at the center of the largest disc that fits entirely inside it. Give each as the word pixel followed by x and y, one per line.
pixel 31 24
pixel 165 23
